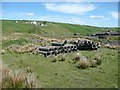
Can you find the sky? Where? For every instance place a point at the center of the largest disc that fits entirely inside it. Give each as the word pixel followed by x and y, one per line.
pixel 102 14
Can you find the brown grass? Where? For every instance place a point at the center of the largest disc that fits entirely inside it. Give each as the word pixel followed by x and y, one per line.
pixel 98 59
pixel 16 79
pixel 62 57
pixel 94 63
pixel 77 57
pixel 83 63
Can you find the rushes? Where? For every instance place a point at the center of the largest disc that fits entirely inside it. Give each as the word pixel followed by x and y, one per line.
pixel 94 63
pixel 22 49
pixel 17 79
pixel 81 60
pixel 77 57
pixel 2 51
pixel 62 57
pixel 97 61
pixel 55 59
pixel 83 63
pixel 30 80
pixel 111 46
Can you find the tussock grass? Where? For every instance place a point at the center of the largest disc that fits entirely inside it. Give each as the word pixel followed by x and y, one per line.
pixel 28 48
pixel 94 63
pixel 62 57
pixel 83 63
pixel 2 51
pixel 77 57
pixel 98 59
pixel 17 78
pixel 55 59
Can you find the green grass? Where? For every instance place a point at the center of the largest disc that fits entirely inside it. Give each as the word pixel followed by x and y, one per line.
pixel 19 41
pixel 83 30
pixel 62 74
pixel 65 74
pixel 9 26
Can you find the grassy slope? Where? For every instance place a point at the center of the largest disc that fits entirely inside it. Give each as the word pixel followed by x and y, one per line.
pixel 10 26
pixel 83 30
pixel 68 75
pixel 52 28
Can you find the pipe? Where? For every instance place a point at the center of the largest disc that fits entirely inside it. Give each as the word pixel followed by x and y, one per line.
pixel 69 50
pixel 44 49
pixel 57 44
pixel 53 48
pixel 59 48
pixel 52 52
pixel 45 53
pixel 65 51
pixel 56 52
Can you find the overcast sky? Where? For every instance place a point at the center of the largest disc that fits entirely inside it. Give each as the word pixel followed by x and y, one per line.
pixel 103 14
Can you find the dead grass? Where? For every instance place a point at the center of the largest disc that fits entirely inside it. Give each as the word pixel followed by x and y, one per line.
pixel 83 63
pixel 17 78
pixel 77 57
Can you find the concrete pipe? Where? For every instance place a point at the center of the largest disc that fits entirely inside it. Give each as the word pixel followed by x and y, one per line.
pixel 53 48
pixel 45 53
pixel 44 49
pixel 94 47
pixel 65 51
pixel 69 50
pixel 75 49
pixel 64 47
pixel 56 52
pixel 68 46
pixel 75 46
pixel 61 51
pixel 52 52
pixel 57 44
pixel 72 47
pixel 59 48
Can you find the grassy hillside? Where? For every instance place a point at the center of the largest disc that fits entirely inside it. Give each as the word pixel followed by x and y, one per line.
pixel 59 74
pixel 83 30
pixel 51 28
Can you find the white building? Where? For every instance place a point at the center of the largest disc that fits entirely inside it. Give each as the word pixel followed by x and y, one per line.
pixel 16 21
pixel 34 22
